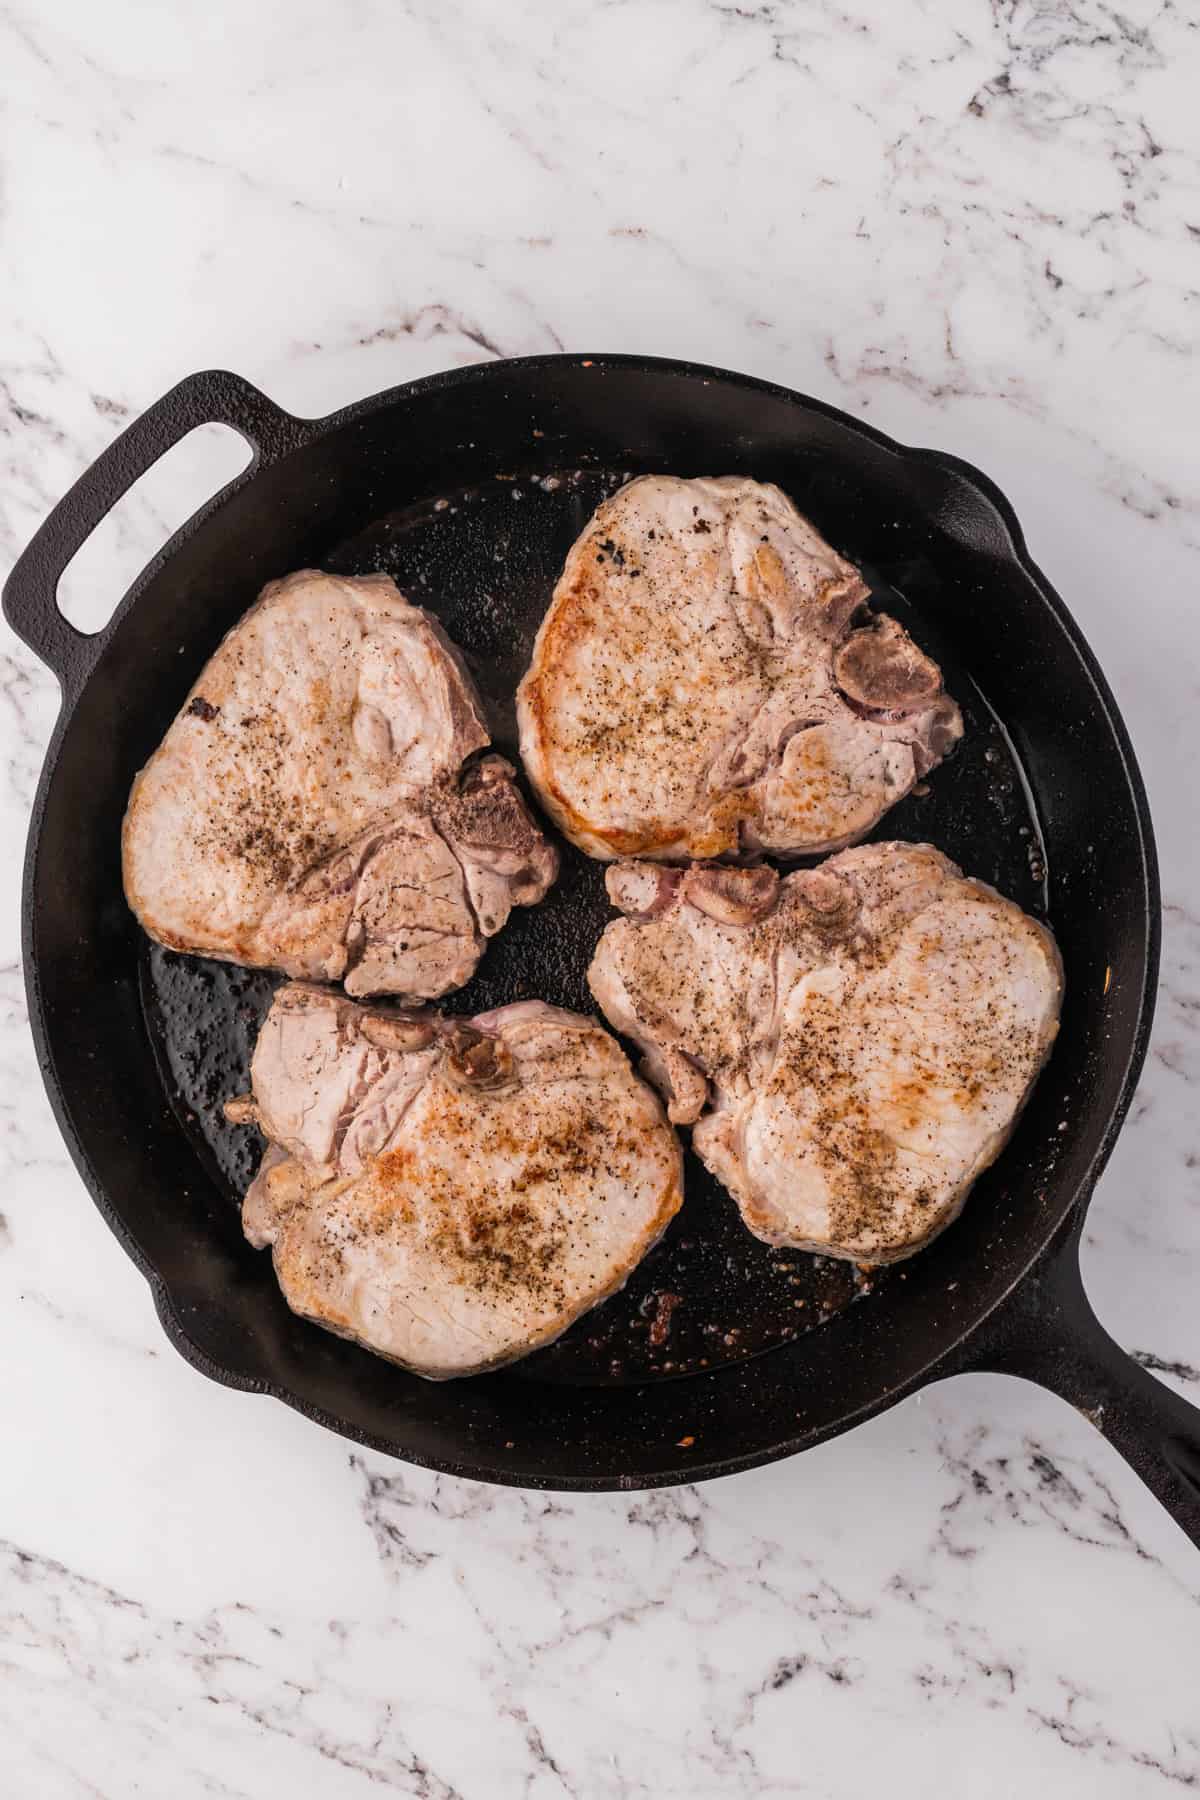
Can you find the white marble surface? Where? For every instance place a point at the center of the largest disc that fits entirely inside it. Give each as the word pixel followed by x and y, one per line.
pixel 977 223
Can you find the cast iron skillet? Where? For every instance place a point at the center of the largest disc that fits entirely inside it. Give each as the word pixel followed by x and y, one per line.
pixel 469 487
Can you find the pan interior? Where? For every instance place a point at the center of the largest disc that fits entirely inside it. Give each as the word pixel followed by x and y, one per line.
pixel 485 559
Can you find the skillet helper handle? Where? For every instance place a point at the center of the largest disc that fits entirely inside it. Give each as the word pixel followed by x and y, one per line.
pixel 214 397
pixel 1048 1333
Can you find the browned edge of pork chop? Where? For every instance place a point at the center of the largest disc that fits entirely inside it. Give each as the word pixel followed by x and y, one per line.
pixel 708 682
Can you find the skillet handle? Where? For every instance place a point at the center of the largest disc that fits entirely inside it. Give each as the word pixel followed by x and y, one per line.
pixel 1047 1332
pixel 214 397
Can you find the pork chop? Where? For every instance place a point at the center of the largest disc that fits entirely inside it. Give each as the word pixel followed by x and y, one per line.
pixel 708 680
pixel 451 1194
pixel 853 1042
pixel 321 804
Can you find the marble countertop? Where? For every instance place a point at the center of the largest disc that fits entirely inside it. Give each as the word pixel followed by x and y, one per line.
pixel 976 223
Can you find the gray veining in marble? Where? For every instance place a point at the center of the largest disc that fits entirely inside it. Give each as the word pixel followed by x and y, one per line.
pixel 976 222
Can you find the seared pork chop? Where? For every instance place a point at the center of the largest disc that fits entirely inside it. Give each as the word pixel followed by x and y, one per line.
pixel 853 1042
pixel 708 680
pixel 320 806
pixel 451 1194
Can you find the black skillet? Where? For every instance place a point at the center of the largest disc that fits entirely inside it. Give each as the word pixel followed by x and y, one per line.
pixel 469 488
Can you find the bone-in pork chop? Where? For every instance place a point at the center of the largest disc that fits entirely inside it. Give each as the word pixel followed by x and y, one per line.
pixel 451 1194
pixel 708 680
pixel 320 805
pixel 853 1042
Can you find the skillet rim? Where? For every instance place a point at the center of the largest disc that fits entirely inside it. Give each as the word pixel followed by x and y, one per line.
pixel 1061 1218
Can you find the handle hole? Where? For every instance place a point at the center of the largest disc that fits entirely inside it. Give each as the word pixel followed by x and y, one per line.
pixel 143 519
